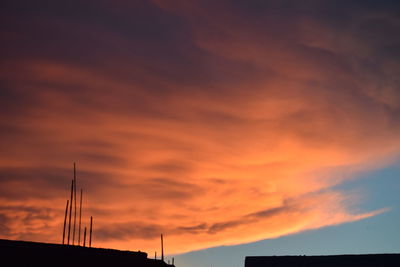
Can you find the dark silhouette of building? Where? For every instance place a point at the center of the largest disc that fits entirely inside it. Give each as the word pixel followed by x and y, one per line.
pixel 367 260
pixel 21 253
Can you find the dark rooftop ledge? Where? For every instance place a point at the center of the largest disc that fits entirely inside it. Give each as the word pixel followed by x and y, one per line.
pixel 364 260
pixel 22 253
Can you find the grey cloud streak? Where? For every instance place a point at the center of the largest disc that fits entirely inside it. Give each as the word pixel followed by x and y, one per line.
pixel 140 230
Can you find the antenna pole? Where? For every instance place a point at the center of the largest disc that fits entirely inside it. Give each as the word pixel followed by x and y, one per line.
pixel 91 229
pixel 73 235
pixel 162 248
pixel 70 212
pixel 84 237
pixel 80 219
pixel 65 221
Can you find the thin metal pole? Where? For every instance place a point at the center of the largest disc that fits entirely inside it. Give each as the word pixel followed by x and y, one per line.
pixel 91 229
pixel 155 255
pixel 70 212
pixel 162 248
pixel 80 219
pixel 84 237
pixel 65 221
pixel 73 235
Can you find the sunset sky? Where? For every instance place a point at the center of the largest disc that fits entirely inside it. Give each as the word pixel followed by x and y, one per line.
pixel 232 127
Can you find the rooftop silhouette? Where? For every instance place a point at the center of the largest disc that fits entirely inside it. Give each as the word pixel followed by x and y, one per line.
pixel 366 260
pixel 22 253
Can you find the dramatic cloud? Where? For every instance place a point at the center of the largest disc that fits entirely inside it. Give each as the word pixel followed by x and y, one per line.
pixel 213 123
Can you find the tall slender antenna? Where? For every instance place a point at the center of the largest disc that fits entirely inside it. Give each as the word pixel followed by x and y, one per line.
pixel 80 219
pixel 73 234
pixel 162 248
pixel 155 255
pixel 70 212
pixel 91 229
pixel 65 221
pixel 84 237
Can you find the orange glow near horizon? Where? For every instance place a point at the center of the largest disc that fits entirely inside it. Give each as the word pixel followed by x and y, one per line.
pixel 249 154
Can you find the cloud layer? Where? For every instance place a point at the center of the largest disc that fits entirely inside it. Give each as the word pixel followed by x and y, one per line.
pixel 213 123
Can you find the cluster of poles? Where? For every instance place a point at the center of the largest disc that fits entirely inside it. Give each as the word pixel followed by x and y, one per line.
pixel 72 224
pixel 68 215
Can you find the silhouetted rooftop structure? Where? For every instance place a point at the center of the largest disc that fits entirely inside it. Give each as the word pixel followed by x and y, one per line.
pixel 367 260
pixel 21 253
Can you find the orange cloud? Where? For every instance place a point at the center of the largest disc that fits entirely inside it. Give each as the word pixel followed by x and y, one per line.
pixel 240 137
